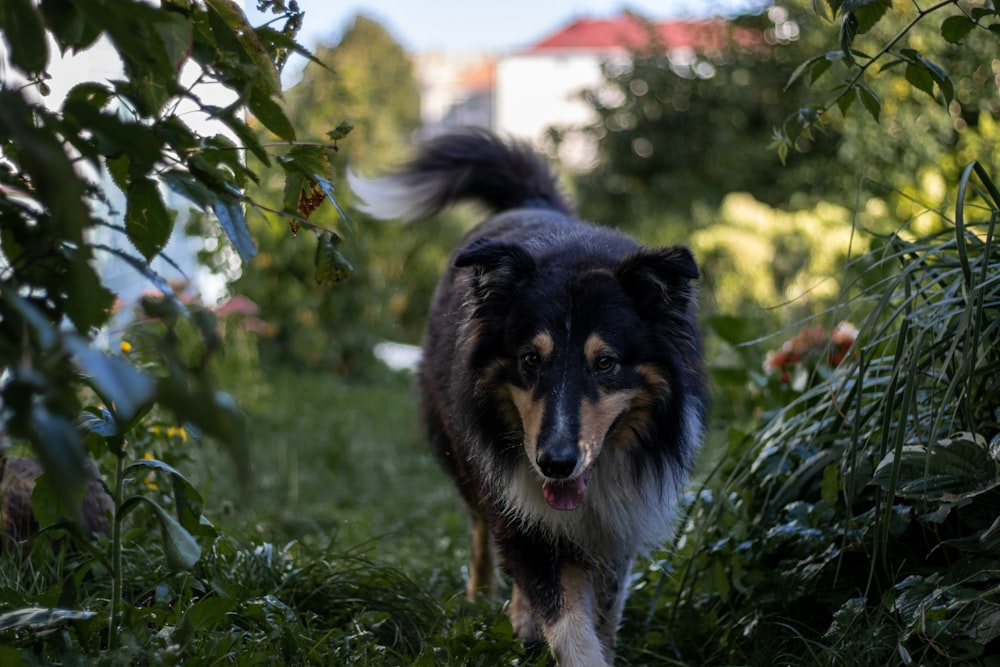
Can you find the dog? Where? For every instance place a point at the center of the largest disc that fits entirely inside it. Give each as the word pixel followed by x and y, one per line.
pixel 562 386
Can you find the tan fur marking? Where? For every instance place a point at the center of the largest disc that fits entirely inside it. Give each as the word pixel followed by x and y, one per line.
pixel 531 412
pixel 481 578
pixel 597 417
pixel 657 383
pixel 594 347
pixel 544 344
pixel 573 637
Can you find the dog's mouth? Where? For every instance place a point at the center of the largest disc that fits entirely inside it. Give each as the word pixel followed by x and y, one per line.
pixel 565 494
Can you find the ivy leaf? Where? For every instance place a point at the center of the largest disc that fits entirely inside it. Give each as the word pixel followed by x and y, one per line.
pixel 148 224
pixel 25 36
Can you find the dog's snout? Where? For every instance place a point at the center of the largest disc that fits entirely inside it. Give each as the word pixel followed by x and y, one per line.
pixel 557 463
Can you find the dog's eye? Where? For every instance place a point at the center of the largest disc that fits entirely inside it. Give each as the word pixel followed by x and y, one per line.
pixel 531 360
pixel 605 363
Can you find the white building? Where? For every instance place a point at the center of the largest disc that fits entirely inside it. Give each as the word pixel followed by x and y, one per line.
pixel 540 86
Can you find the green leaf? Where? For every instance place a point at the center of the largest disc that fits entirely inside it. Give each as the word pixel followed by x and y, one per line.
pixel 331 266
pixel 833 481
pixel 956 28
pixel 870 101
pixel 25 36
pixel 208 613
pixel 246 136
pixel 179 546
pixel 234 20
pixel 125 389
pixel 868 12
pixel 230 215
pixel 920 78
pixel 46 334
pixel 848 31
pixel 45 505
pixel 271 115
pixel 61 451
pixel 951 469
pixel 88 303
pixel 341 131
pixel 148 224
pixel 804 67
pixel 101 422
pixel 188 502
pixel 69 25
pixel 189 187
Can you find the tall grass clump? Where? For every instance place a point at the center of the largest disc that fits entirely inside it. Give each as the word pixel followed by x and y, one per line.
pixel 860 523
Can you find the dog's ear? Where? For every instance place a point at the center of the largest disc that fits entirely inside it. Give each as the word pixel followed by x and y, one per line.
pixel 498 267
pixel 660 278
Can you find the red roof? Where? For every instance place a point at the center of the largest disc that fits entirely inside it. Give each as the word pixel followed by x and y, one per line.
pixel 629 32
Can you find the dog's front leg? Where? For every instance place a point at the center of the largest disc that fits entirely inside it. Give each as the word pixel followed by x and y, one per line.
pixel 481 579
pixel 572 632
pixel 611 588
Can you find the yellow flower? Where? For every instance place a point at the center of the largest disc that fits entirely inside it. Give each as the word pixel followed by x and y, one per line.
pixel 177 432
pixel 126 347
pixel 150 480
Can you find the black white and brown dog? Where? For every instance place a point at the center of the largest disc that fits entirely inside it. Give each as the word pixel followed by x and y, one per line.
pixel 562 386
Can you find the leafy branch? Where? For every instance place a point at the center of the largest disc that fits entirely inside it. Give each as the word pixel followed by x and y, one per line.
pixel 859 17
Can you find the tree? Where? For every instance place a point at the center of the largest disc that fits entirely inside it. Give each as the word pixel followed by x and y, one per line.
pixel 684 128
pixel 60 390
pixel 366 80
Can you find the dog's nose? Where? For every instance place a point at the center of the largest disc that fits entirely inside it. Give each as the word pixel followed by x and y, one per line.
pixel 557 463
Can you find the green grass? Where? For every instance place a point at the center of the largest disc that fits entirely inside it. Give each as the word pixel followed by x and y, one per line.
pixel 344 466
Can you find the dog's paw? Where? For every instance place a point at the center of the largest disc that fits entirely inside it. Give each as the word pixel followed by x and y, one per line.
pixel 526 628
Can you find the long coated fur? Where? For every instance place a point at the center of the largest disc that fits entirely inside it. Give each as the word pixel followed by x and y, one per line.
pixel 562 386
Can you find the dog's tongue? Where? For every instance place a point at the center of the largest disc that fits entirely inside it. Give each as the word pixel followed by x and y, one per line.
pixel 564 495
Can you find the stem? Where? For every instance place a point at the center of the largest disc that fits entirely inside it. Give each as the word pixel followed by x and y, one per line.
pixel 921 13
pixel 116 557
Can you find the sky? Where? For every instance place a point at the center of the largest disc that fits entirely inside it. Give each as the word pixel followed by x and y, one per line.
pixel 471 26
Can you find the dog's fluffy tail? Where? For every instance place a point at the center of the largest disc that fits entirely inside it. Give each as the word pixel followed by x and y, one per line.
pixel 468 165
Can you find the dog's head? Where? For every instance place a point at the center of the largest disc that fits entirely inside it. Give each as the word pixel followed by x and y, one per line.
pixel 580 351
